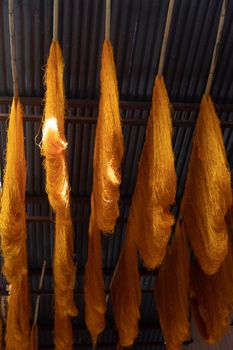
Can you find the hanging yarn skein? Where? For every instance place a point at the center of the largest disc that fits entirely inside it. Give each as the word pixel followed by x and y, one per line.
pixel 125 289
pixel 13 233
pixel 54 147
pixel 150 220
pixel 207 196
pixel 212 298
pixel 108 153
pixel 156 182
pixel 171 291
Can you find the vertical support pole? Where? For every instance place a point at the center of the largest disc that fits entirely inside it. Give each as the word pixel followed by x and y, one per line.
pixel 13 48
pixel 107 19
pixel 55 19
pixel 38 296
pixel 216 47
pixel 165 36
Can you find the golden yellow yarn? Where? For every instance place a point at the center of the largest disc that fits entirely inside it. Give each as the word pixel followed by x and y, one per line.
pixel 150 220
pixel 171 291
pixel 54 147
pixel 13 233
pixel 108 150
pixel 18 325
pixel 125 290
pixel 108 153
pixel 95 306
pixel 156 182
pixel 212 299
pixel 12 219
pixel 207 195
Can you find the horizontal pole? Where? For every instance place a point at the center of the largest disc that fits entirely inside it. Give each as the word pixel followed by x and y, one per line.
pixel 43 199
pixel 80 271
pixel 44 218
pixel 109 328
pixel 125 121
pixel 135 105
pixel 46 292
pixel 113 345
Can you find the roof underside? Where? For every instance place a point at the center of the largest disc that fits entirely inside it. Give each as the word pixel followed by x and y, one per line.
pixel 137 28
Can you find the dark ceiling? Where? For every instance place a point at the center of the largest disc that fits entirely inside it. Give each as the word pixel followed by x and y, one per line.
pixel 137 28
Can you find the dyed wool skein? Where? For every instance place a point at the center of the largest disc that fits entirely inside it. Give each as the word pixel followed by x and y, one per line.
pixel 156 182
pixel 172 291
pixel 150 220
pixel 207 196
pixel 108 153
pixel 13 233
pixel 54 147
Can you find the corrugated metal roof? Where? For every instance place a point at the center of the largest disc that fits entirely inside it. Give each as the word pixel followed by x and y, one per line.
pixel 137 28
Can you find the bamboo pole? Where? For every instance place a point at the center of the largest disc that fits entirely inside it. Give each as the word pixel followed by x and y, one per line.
pixel 38 296
pixel 55 19
pixel 216 48
pixel 13 48
pixel 165 36
pixel 107 19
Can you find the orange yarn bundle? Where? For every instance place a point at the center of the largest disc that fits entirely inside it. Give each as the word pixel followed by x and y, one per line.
pixel 108 153
pixel 171 292
pixel 54 147
pixel 108 150
pixel 13 233
pixel 150 220
pixel 95 306
pixel 212 299
pixel 125 290
pixel 207 196
pixel 156 182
